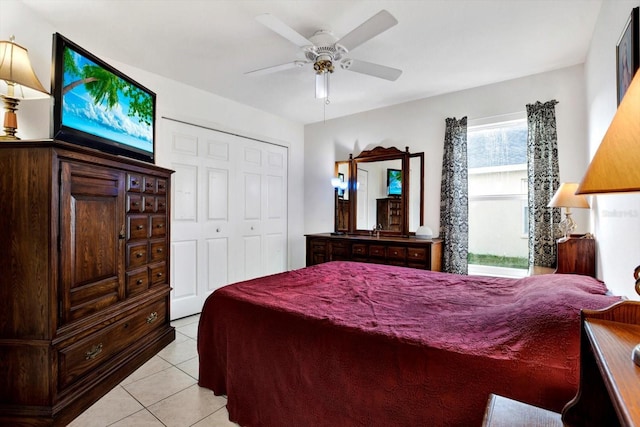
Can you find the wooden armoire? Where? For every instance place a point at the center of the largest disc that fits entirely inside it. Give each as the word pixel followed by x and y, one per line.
pixel 84 290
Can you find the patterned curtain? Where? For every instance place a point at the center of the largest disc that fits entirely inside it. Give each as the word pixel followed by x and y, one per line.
pixel 454 198
pixel 542 159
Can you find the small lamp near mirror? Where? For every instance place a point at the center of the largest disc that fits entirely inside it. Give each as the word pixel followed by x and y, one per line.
pixel 614 167
pixel 567 198
pixel 17 81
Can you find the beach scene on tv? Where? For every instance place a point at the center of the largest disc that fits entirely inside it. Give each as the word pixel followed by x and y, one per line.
pixel 98 102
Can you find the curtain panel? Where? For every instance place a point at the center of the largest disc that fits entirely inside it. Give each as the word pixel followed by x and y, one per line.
pixel 454 198
pixel 543 171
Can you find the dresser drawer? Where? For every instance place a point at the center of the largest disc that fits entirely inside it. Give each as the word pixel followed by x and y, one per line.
pixel 93 351
pixel 376 251
pixel 416 254
pixel 359 249
pixel 137 227
pixel 137 281
pixel 158 273
pixel 158 226
pixel 339 250
pixel 396 252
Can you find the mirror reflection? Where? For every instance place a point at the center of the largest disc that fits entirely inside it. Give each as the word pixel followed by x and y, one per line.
pixel 379 188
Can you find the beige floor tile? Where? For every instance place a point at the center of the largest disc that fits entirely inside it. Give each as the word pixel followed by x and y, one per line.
pixel 190 367
pixel 185 320
pixel 159 386
pixel 114 406
pixel 142 418
pixel 187 407
pixel 220 418
pixel 190 330
pixel 154 365
pixel 181 337
pixel 178 352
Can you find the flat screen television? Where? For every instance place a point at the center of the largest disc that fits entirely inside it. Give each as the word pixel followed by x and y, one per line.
pixel 97 106
pixel 394 182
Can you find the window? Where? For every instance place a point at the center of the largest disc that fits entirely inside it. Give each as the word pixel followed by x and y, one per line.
pixel 498 223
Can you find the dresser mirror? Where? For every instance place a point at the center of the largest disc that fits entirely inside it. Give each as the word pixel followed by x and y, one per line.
pixel 341 189
pixel 380 197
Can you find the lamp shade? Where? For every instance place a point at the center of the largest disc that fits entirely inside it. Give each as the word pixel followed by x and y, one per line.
pixel 566 197
pixel 17 79
pixel 614 167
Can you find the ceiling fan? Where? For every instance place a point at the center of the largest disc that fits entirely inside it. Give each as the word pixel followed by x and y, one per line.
pixel 323 49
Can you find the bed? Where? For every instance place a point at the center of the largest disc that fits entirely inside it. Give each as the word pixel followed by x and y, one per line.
pixel 355 344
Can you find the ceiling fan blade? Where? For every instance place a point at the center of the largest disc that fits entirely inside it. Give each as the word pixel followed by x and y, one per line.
pixel 276 25
pixel 276 68
pixel 375 25
pixel 375 70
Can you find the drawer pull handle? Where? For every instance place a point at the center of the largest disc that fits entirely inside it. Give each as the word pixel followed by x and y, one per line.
pixel 139 255
pixel 140 227
pixel 152 317
pixel 159 250
pixel 159 225
pixel 139 282
pixel 95 350
pixel 135 204
pixel 134 182
pixel 159 275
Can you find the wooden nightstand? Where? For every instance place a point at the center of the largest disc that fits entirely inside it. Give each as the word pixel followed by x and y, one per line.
pixel 577 255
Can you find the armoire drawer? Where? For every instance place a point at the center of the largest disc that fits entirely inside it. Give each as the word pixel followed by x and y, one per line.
pixel 158 226
pixel 85 355
pixel 158 273
pixel 137 281
pixel 137 254
pixel 158 251
pixel 137 227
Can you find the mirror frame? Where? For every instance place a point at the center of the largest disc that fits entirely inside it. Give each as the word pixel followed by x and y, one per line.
pixel 380 153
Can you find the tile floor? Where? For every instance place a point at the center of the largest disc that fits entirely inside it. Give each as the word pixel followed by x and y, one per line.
pixel 162 392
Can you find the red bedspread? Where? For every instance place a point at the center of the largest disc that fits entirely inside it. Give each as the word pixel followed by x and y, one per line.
pixel 354 344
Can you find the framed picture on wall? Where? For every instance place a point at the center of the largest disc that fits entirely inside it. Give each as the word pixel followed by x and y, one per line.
pixel 627 58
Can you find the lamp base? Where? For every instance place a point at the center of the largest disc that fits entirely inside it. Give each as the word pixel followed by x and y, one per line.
pixel 635 355
pixel 10 118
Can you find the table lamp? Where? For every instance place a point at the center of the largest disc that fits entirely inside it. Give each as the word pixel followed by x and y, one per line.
pixel 17 82
pixel 614 167
pixel 567 198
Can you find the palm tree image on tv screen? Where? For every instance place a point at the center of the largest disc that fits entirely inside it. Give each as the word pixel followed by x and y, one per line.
pixel 99 102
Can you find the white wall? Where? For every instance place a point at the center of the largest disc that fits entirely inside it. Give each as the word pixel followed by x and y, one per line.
pixel 420 125
pixel 174 100
pixel 616 217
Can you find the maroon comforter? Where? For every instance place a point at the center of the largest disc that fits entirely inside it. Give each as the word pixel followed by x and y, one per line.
pixel 354 344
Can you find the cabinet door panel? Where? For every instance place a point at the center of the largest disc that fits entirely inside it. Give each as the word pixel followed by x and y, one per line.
pixel 91 239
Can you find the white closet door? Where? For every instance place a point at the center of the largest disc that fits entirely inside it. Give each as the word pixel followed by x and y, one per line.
pixel 222 231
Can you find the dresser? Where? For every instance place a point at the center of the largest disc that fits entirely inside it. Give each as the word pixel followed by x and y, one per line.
pixel 84 297
pixel 402 251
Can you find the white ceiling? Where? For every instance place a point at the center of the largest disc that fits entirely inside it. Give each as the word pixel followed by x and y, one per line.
pixel 441 45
